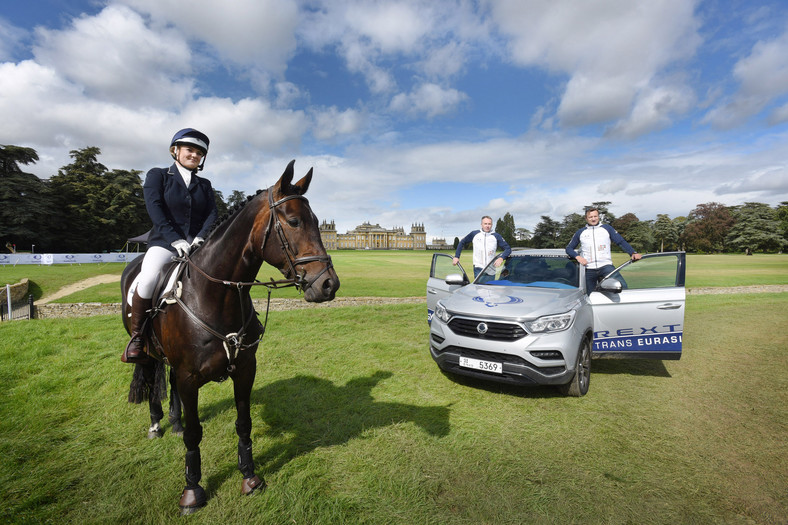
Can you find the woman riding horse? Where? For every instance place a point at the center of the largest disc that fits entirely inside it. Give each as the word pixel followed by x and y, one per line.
pixel 207 329
pixel 182 208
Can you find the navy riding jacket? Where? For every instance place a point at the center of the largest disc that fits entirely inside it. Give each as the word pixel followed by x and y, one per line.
pixel 177 212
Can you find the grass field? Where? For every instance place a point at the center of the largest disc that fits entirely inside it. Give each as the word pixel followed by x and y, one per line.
pixel 391 274
pixel 354 423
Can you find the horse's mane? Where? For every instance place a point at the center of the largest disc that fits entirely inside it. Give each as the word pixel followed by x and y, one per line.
pixel 227 218
pixel 222 222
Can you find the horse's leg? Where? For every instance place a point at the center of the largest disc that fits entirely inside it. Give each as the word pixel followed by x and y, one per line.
pixel 242 386
pixel 154 400
pixel 144 386
pixel 175 407
pixel 193 497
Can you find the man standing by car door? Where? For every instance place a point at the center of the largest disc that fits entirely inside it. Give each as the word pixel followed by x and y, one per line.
pixel 594 241
pixel 485 243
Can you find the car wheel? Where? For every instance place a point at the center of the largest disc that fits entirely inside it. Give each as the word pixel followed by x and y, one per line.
pixel 578 386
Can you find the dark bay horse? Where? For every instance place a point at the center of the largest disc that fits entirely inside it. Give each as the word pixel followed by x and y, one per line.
pixel 210 331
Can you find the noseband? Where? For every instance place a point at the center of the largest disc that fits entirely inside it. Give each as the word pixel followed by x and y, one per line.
pixel 292 276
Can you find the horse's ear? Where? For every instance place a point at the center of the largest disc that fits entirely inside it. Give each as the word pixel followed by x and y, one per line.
pixel 286 178
pixel 303 184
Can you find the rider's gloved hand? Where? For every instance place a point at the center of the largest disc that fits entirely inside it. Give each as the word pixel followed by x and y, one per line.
pixel 197 242
pixel 182 247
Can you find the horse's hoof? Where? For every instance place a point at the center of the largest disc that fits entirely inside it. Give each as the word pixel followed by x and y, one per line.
pixel 155 431
pixel 250 485
pixel 192 500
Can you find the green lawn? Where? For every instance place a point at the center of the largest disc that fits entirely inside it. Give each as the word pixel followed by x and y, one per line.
pixel 354 423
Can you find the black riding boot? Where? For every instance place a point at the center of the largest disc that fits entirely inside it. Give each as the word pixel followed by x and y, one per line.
pixel 139 312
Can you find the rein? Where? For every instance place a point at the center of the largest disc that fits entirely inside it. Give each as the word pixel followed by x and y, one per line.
pixel 233 342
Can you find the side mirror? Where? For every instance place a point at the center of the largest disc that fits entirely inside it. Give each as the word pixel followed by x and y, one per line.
pixel 456 278
pixel 611 284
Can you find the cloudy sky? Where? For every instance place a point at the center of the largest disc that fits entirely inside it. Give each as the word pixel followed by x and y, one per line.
pixel 426 111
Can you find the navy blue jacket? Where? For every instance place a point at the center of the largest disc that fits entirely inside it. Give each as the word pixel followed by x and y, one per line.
pixel 177 212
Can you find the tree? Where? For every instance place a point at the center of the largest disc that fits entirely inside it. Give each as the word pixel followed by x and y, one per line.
pixel 625 223
pixel 666 232
pixel 708 225
pixel 546 233
pixel 680 223
pixel 12 156
pixel 100 209
pixel 757 228
pixel 570 224
pixel 236 198
pixel 505 228
pixel 26 208
pixel 456 242
pixel 782 216
pixel 522 236
pixel 640 236
pixel 125 215
pixel 604 213
pixel 221 206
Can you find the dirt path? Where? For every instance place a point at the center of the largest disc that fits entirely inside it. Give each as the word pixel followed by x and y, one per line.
pixel 56 310
pixel 80 285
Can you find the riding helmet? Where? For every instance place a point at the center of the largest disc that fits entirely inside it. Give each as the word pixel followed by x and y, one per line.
pixel 191 137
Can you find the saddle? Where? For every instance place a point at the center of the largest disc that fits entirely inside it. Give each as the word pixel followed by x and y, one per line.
pixel 168 287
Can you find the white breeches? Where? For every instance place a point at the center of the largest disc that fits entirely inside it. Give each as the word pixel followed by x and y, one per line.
pixel 154 260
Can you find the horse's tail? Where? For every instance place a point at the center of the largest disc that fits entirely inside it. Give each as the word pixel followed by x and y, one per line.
pixel 149 382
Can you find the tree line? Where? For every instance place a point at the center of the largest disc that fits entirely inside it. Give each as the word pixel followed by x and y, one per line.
pixel 709 228
pixel 85 207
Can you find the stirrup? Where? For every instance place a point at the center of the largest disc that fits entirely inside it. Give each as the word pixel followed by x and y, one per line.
pixel 141 356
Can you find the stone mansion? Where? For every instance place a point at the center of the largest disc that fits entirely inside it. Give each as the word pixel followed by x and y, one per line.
pixel 369 236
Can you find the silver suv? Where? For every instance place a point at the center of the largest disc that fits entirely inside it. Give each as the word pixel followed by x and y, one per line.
pixel 530 321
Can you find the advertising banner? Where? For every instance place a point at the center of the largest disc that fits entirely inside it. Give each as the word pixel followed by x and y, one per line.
pixel 67 258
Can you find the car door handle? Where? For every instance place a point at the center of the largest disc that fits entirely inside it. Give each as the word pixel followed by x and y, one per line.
pixel 669 306
pixel 430 290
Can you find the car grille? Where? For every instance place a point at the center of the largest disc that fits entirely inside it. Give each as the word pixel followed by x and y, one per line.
pixel 495 331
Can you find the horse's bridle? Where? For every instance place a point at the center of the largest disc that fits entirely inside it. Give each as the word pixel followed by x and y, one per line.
pixel 233 342
pixel 292 275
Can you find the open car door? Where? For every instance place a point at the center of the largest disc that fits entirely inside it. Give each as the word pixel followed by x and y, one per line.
pixel 445 279
pixel 639 308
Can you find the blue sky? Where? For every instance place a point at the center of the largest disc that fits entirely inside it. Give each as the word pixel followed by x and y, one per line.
pixel 433 112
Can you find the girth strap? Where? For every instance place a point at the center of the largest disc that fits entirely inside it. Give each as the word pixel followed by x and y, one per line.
pixel 232 342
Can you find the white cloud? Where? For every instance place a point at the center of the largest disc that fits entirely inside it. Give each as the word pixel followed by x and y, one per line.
pixel 247 32
pixel 611 50
pixel 332 123
pixel 763 78
pixel 10 38
pixel 654 110
pixel 779 115
pixel 114 57
pixel 390 26
pixel 427 100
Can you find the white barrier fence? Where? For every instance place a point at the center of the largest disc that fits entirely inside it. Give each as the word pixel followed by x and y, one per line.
pixel 67 258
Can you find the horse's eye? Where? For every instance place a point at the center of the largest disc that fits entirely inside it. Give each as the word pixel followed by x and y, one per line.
pixel 294 222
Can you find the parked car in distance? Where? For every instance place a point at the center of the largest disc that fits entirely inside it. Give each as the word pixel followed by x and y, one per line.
pixel 531 322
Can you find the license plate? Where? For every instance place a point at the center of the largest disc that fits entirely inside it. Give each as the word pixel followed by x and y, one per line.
pixel 478 364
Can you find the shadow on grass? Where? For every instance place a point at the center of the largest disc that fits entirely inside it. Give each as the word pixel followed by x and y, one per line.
pixel 634 367
pixel 304 413
pixel 529 391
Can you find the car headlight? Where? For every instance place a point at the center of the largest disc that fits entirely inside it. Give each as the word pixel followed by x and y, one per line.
pixel 441 313
pixel 551 323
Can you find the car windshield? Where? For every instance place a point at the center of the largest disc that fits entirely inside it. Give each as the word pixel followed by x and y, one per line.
pixel 533 270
